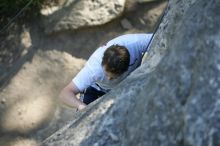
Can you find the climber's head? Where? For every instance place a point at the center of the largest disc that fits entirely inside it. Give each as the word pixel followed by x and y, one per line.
pixel 115 61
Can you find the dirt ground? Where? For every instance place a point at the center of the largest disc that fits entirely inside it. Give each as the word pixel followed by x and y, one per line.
pixel 34 67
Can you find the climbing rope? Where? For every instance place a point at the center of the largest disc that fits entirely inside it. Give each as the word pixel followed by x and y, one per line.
pixel 157 26
pixel 4 28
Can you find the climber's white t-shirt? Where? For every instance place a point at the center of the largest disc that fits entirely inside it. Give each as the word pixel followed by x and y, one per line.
pixel 93 73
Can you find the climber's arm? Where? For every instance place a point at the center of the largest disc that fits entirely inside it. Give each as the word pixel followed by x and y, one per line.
pixel 68 96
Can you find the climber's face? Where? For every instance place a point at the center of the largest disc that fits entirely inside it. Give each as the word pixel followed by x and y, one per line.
pixel 110 75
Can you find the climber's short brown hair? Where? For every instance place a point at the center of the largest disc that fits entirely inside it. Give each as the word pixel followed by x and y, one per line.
pixel 116 59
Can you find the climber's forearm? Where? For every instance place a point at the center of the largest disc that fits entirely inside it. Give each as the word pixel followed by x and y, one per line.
pixel 69 98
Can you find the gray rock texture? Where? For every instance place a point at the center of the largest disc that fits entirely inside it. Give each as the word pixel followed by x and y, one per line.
pixel 172 99
pixel 74 14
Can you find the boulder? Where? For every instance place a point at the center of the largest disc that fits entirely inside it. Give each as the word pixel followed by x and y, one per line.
pixel 74 14
pixel 172 99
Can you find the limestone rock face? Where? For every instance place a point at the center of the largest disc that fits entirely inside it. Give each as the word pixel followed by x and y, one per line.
pixel 74 14
pixel 172 99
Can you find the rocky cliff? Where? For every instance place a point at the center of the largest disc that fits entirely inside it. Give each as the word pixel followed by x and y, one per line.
pixel 173 99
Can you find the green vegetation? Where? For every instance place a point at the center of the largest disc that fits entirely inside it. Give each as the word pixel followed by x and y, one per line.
pixel 11 7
